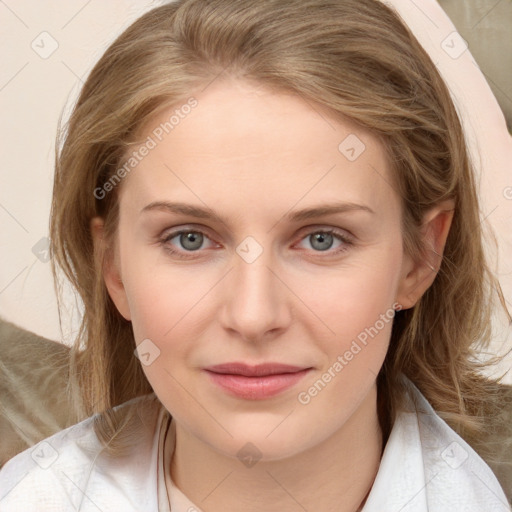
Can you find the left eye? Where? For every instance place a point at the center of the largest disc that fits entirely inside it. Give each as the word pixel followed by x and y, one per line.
pixel 324 240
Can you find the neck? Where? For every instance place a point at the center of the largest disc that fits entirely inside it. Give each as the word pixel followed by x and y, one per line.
pixel 335 475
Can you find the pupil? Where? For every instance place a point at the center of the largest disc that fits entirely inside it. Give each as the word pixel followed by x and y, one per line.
pixel 324 239
pixel 190 241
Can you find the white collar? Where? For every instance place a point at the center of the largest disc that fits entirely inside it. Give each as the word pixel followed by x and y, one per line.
pixel 425 467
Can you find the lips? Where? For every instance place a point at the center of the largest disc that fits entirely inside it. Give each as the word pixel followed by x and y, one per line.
pixel 255 382
pixel 258 370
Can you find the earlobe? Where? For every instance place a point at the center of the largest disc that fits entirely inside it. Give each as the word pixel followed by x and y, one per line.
pixel 107 260
pixel 418 276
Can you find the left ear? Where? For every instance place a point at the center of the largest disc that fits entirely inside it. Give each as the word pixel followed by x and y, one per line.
pixel 417 276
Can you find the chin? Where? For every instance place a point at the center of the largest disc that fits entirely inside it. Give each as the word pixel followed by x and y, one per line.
pixel 269 440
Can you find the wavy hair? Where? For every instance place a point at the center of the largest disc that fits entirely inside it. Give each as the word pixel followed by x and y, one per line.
pixel 359 60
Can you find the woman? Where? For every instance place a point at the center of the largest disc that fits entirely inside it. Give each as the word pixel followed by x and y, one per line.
pixel 269 212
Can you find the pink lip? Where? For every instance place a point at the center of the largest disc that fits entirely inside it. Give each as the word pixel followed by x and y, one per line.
pixel 255 382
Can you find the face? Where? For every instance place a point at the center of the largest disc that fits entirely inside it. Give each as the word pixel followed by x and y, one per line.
pixel 260 231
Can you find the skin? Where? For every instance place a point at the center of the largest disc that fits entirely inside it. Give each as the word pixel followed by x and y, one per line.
pixel 254 155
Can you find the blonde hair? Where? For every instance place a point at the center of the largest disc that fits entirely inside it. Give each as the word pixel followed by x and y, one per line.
pixel 357 59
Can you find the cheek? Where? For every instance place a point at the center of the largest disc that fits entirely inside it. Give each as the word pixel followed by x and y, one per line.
pixel 157 304
pixel 160 294
pixel 358 309
pixel 162 308
pixel 354 297
pixel 170 305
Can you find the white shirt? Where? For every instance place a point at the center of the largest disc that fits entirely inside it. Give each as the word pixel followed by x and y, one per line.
pixel 425 467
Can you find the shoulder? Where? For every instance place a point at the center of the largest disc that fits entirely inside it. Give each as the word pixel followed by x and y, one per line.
pixel 33 383
pixel 455 472
pixel 73 470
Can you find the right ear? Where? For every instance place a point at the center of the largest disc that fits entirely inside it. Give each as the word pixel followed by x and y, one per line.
pixel 109 263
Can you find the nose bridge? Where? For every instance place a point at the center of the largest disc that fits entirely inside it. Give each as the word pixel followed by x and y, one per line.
pixel 257 301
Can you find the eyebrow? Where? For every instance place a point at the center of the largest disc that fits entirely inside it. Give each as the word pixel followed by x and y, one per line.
pixel 294 216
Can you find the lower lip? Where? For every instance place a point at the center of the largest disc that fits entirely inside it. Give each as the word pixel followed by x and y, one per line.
pixel 256 388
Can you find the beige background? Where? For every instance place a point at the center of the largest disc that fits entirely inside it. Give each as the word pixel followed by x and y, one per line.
pixel 49 47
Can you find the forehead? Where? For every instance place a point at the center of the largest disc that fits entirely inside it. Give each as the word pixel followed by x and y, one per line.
pixel 246 145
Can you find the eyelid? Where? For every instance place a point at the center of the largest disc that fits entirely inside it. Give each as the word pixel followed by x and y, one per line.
pixel 174 232
pixel 187 228
pixel 325 228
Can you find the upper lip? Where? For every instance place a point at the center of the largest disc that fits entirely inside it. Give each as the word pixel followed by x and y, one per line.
pixel 258 370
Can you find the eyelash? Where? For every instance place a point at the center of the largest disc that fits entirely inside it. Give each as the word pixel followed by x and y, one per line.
pixel 346 240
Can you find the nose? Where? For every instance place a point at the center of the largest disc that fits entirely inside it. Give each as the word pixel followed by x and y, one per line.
pixel 257 304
